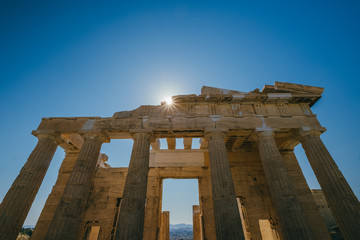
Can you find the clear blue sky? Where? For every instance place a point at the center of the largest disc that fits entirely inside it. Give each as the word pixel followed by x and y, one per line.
pixel 88 58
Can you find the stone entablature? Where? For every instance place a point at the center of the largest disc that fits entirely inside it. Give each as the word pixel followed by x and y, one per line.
pixel 248 174
pixel 189 115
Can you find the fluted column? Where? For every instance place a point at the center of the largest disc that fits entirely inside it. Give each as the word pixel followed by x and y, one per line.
pixel 227 218
pixel 67 219
pixel 153 205
pixel 342 201
pixel 53 199
pixel 293 221
pixel 18 200
pixel 131 218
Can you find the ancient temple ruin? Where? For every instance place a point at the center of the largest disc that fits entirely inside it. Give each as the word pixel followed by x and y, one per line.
pixel 250 183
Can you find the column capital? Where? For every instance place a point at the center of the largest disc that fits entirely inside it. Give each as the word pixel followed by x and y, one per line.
pixel 215 133
pixel 306 131
pixel 142 133
pixel 52 134
pixel 261 134
pixel 95 134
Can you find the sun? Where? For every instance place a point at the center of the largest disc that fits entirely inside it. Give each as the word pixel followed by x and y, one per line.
pixel 168 100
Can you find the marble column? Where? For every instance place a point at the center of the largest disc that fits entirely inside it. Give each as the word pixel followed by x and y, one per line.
pixel 67 219
pixel 132 210
pixel 292 218
pixel 227 218
pixel 53 199
pixel 18 200
pixel 342 201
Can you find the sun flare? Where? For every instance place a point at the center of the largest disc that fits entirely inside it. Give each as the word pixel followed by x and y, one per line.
pixel 168 100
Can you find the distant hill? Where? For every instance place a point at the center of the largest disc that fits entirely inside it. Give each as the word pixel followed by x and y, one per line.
pixel 181 231
pixel 181 225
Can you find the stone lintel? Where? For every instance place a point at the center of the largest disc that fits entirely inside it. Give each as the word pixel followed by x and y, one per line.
pixel 179 126
pixel 116 134
pixel 36 133
pixel 141 130
pixel 92 134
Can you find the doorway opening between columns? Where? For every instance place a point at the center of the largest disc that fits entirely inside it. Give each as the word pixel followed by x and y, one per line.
pixel 180 203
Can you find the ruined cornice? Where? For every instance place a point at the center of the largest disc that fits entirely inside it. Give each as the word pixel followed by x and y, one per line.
pixel 280 92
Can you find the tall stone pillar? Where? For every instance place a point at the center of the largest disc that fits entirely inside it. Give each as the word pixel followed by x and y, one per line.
pixel 164 232
pixel 197 229
pixel 67 219
pixel 293 221
pixel 343 203
pixel 207 206
pixel 18 200
pixel 132 210
pixel 53 199
pixel 153 206
pixel 227 218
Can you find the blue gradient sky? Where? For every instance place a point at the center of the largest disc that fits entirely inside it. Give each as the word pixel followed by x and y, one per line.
pixel 85 58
